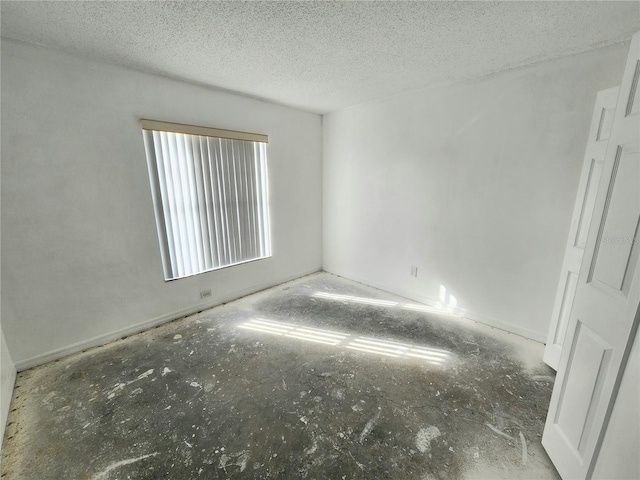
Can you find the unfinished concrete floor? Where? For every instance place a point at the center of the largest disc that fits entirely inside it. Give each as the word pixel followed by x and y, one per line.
pixel 319 378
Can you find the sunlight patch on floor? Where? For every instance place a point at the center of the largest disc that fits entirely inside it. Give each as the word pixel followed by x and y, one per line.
pixel 389 348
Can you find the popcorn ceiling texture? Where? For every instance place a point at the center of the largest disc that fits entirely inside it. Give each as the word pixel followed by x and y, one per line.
pixel 321 56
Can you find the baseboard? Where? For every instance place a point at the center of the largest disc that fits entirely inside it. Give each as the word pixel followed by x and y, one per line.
pixel 475 316
pixel 146 325
pixel 154 322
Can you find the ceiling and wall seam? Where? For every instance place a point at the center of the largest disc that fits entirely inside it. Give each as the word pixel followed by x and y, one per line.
pixel 103 62
pixel 324 56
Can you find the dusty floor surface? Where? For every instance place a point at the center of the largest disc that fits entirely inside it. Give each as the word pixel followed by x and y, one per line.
pixel 319 378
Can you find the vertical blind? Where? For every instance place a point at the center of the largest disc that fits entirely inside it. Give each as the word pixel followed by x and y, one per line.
pixel 210 199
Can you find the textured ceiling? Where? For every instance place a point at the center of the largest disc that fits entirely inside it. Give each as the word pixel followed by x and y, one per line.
pixel 319 55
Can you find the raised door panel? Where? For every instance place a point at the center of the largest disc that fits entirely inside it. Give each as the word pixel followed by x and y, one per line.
pixel 593 177
pixel 589 360
pixel 612 264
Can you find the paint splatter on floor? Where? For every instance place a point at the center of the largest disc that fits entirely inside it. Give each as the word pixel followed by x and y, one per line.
pixel 424 437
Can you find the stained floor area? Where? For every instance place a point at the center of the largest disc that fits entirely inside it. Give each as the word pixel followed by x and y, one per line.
pixel 319 378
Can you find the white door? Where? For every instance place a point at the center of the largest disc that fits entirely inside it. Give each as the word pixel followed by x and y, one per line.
pixel 605 312
pixel 599 134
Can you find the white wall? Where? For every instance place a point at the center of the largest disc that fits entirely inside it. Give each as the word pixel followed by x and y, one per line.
pixel 473 183
pixel 7 381
pixel 618 458
pixel 80 256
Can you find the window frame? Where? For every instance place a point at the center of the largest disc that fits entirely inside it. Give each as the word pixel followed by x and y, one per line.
pixel 197 191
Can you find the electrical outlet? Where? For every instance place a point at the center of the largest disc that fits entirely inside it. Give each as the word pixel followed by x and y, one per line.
pixel 205 294
pixel 414 271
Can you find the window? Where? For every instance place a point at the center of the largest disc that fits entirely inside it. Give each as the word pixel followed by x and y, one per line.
pixel 209 190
